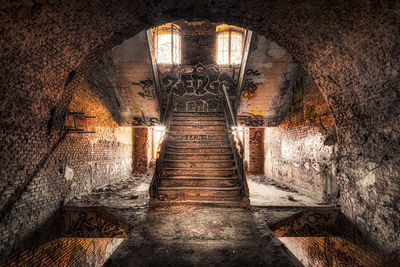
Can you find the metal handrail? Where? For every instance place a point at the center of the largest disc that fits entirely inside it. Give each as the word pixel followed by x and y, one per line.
pixel 166 120
pixel 235 142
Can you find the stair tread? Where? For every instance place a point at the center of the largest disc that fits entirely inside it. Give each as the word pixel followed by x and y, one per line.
pixel 198 141
pixel 200 147
pixel 199 169
pixel 175 112
pixel 200 118
pixel 198 178
pixel 199 130
pixel 198 154
pixel 200 160
pixel 231 188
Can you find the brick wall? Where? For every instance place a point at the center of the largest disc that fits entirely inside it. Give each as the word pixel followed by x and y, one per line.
pixel 298 152
pixel 256 151
pixel 78 164
pixel 140 155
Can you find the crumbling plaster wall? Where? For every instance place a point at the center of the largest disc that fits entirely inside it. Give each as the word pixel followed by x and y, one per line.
pixel 300 151
pixel 350 48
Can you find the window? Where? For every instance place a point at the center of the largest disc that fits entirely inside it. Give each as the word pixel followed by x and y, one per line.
pixel 229 44
pixel 167 43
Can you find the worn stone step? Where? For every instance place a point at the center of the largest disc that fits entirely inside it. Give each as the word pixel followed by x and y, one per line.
pixel 194 121
pixel 191 128
pixel 199 182
pixel 198 137
pixel 197 123
pixel 198 143
pixel 198 149
pixel 197 156
pixel 189 191
pixel 199 163
pixel 197 113
pixel 198 172
pixel 199 201
pixel 204 119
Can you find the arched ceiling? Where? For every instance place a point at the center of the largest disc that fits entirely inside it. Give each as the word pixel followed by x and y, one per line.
pixel 350 48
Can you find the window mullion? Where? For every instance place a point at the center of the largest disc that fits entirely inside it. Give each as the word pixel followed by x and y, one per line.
pixel 172 44
pixel 229 47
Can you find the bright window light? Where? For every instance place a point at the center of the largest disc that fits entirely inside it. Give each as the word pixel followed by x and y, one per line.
pixel 158 133
pixel 167 43
pixel 229 44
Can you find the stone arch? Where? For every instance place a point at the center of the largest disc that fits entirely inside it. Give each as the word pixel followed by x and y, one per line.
pixel 351 49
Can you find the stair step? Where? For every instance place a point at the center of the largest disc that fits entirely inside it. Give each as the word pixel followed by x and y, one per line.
pixel 193 144
pixel 197 113
pixel 190 122
pixel 199 163
pixel 204 119
pixel 198 172
pixel 198 149
pixel 197 156
pixel 191 191
pixel 211 201
pixel 197 137
pixel 190 128
pixel 199 177
pixel 198 182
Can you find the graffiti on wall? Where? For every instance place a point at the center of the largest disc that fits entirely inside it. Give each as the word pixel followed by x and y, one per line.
pixel 250 86
pixel 296 105
pixel 250 119
pixel 199 84
pixel 300 112
pixel 147 88
pixel 327 238
pixel 145 121
pixel 197 88
pixel 89 222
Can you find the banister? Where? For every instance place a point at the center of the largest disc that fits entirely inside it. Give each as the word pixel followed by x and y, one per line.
pixel 166 120
pixel 234 140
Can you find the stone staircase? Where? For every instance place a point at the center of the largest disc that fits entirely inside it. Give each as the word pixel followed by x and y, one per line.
pixel 198 164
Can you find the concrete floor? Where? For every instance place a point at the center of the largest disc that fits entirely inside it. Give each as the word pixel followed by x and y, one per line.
pixel 197 236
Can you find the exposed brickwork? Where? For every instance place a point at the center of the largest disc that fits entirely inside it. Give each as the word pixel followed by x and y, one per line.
pixel 256 150
pixel 140 159
pixel 79 164
pixel 296 152
pixel 68 252
pixel 350 48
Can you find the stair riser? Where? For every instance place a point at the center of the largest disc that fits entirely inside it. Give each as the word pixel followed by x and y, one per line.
pixel 172 194
pixel 199 144
pixel 188 164
pixel 191 128
pixel 197 137
pixel 196 123
pixel 197 114
pixel 198 150
pixel 197 118
pixel 204 156
pixel 198 183
pixel 197 173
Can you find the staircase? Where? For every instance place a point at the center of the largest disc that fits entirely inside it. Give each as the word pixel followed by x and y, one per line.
pixel 198 163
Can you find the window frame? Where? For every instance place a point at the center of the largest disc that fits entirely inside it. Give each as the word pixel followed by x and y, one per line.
pixel 174 30
pixel 222 29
